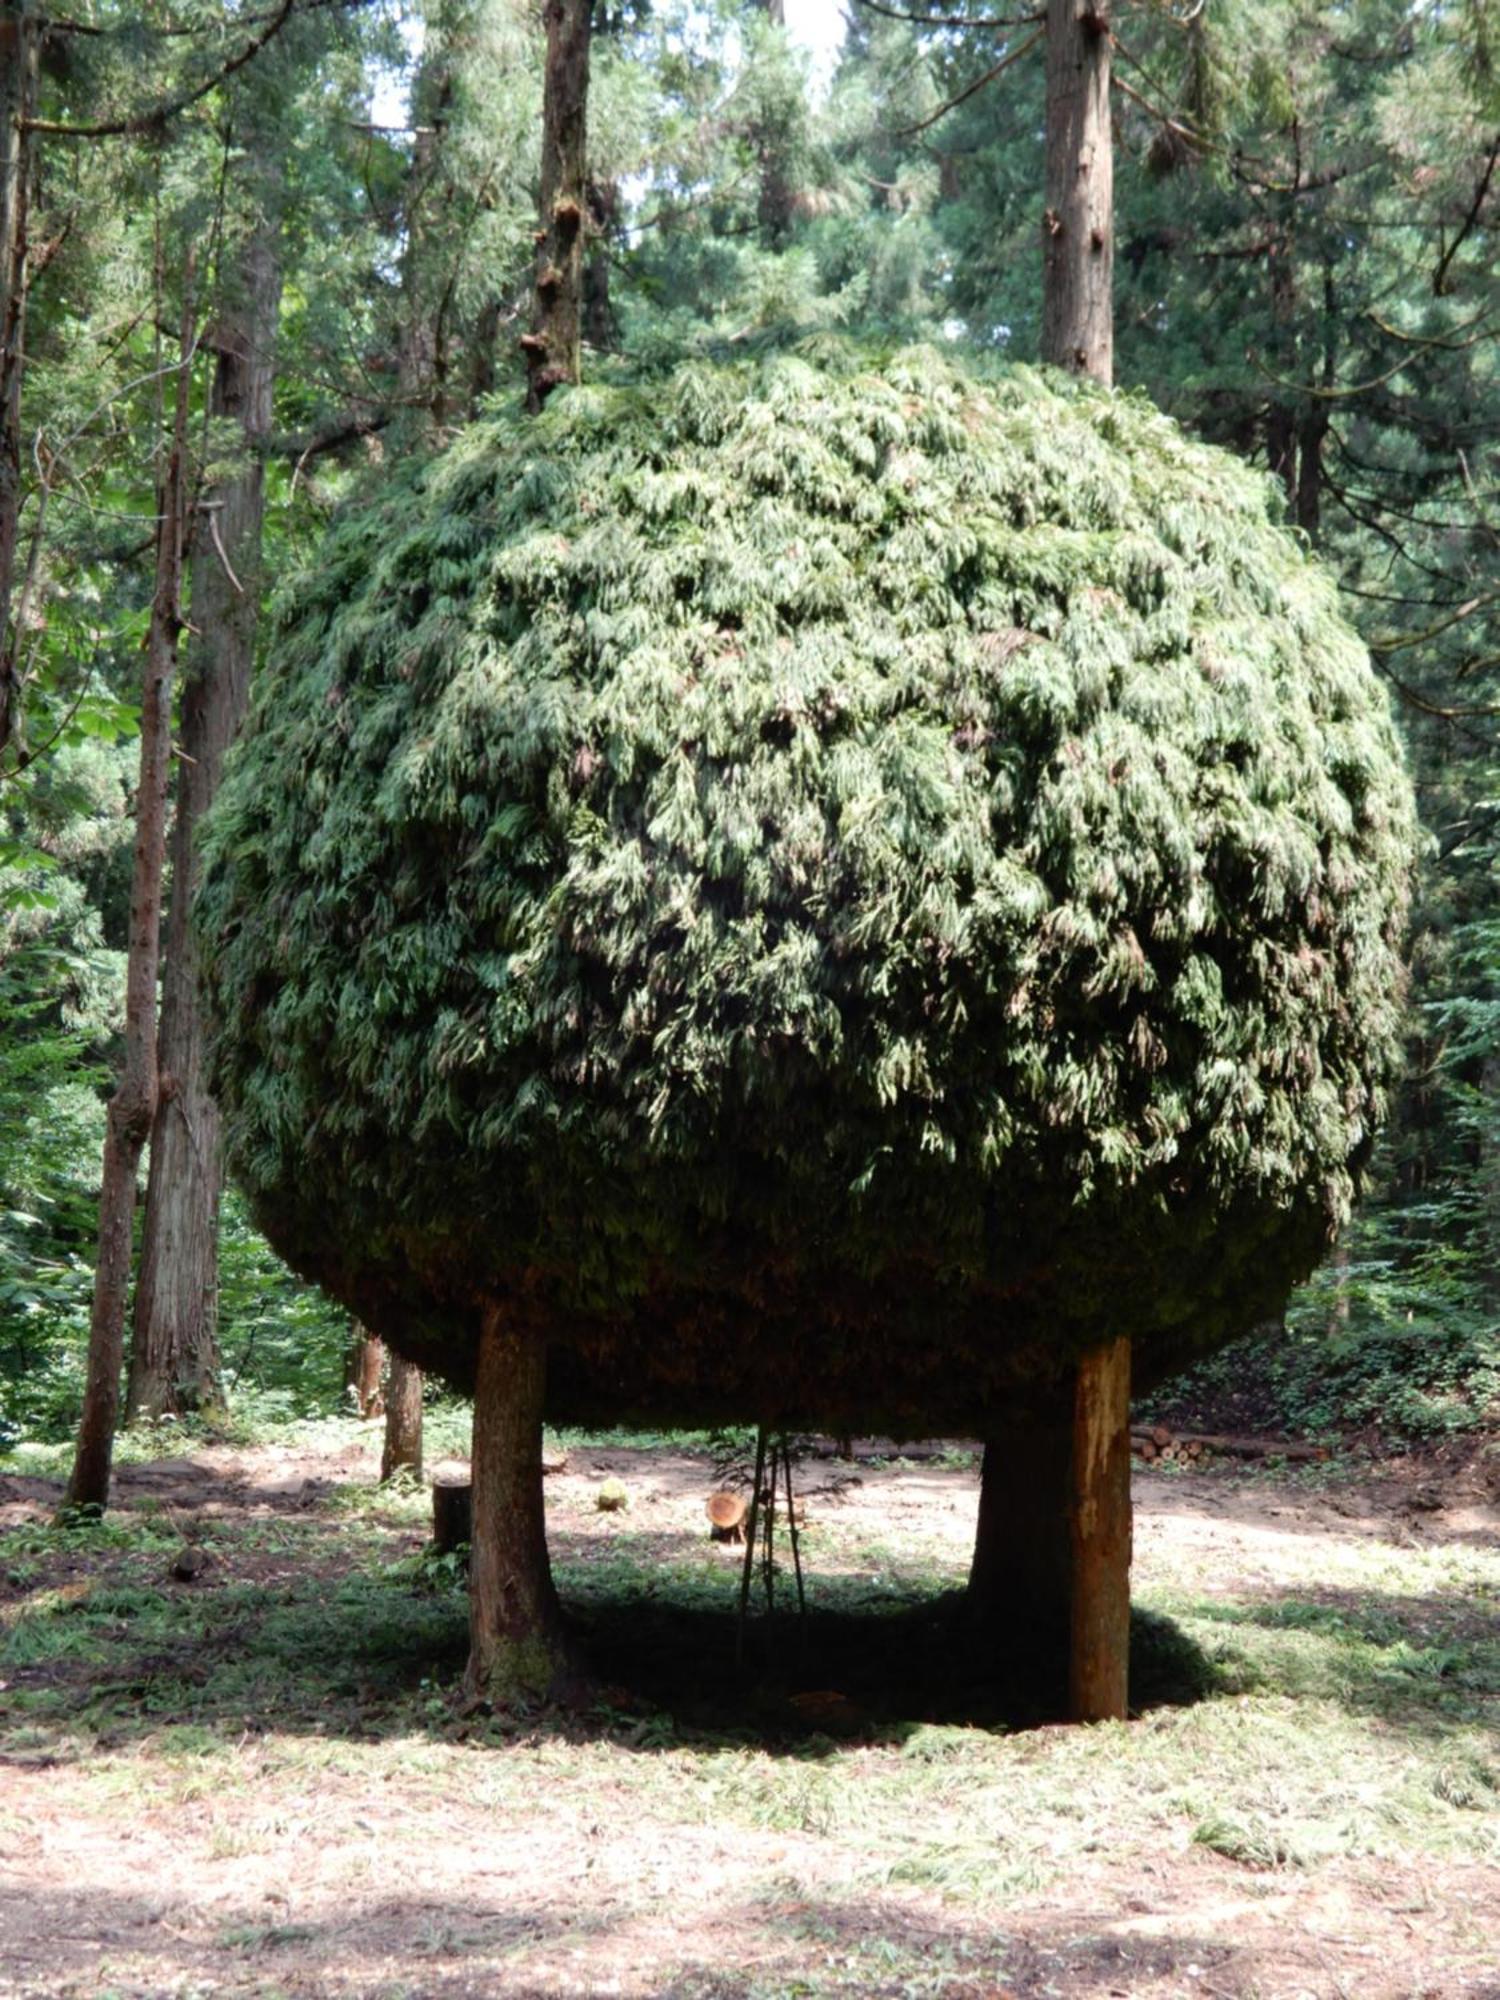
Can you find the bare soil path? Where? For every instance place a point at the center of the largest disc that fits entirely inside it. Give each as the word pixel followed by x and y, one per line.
pixel 255 1780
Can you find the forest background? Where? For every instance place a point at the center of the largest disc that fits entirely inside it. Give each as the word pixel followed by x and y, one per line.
pixel 250 258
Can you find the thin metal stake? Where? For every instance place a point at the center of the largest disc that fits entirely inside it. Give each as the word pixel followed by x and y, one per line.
pixel 750 1530
pixel 791 1516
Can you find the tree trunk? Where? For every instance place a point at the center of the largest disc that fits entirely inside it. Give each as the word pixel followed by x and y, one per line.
pixel 1078 224
pixel 366 1372
pixel 553 346
pixel 1050 1555
pixel 1050 1579
pixel 403 1420
pixel 601 326
pixel 1100 1532
pixel 174 1364
pixel 19 43
pixel 515 1624
pixel 1281 416
pixel 133 1105
pixel 452 1515
pixel 1020 1578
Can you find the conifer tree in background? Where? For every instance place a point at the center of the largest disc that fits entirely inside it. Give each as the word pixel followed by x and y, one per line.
pixel 133 1106
pixel 174 1361
pixel 20 44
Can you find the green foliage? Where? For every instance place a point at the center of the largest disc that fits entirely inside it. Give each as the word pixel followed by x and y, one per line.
pixel 822 857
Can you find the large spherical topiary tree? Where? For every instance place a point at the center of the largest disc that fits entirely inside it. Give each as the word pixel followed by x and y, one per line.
pixel 822 889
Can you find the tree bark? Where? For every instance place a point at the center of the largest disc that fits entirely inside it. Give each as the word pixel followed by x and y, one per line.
pixel 1020 1580
pixel 174 1364
pixel 1078 222
pixel 601 326
pixel 133 1105
pixel 553 347
pixel 403 1420
pixel 19 47
pixel 452 1515
pixel 1100 1535
pixel 516 1648
pixel 367 1372
pixel 1050 1579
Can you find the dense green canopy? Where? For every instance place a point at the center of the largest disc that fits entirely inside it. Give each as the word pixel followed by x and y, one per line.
pixel 825 884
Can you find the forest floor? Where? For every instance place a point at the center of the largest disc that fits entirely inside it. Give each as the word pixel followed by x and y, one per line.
pixel 259 1781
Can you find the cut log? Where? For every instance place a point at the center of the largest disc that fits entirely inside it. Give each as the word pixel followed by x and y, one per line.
pixel 452 1515
pixel 726 1516
pixel 1100 1530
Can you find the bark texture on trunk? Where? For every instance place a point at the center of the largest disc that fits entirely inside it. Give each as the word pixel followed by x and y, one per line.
pixel 1050 1578
pixel 1078 223
pixel 1100 1531
pixel 1020 1581
pixel 601 326
pixel 367 1372
pixel 19 54
pixel 133 1105
pixel 174 1364
pixel 402 1451
pixel 553 347
pixel 516 1648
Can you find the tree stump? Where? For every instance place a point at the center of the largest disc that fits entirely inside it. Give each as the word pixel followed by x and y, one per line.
pixel 726 1516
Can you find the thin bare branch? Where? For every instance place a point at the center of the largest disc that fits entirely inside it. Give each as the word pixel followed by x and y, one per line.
pixel 949 20
pixel 163 114
pixel 1440 275
pixel 973 89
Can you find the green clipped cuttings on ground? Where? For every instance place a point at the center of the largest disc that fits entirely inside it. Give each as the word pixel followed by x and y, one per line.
pixel 825 883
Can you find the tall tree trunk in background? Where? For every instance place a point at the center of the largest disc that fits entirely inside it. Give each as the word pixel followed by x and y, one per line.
pixel 174 1363
pixel 1052 1552
pixel 402 1451
pixel 770 139
pixel 1312 427
pixel 553 347
pixel 133 1105
pixel 418 375
pixel 19 53
pixel 1078 222
pixel 366 1372
pixel 1281 416
pixel 601 327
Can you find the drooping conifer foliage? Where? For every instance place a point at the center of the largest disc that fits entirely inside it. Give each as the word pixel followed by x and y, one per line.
pixel 823 885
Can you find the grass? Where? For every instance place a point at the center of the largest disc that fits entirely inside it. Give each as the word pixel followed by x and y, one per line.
pixel 1346 1716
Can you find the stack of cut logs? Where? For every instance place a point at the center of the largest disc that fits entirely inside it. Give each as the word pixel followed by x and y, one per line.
pixel 1158 1446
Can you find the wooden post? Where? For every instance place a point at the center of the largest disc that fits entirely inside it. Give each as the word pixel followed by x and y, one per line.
pixel 1099 1644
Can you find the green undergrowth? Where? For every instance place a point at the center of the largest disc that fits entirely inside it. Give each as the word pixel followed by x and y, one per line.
pixel 1351 1713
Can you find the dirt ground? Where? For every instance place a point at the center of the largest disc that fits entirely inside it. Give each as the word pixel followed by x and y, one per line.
pixel 256 1780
